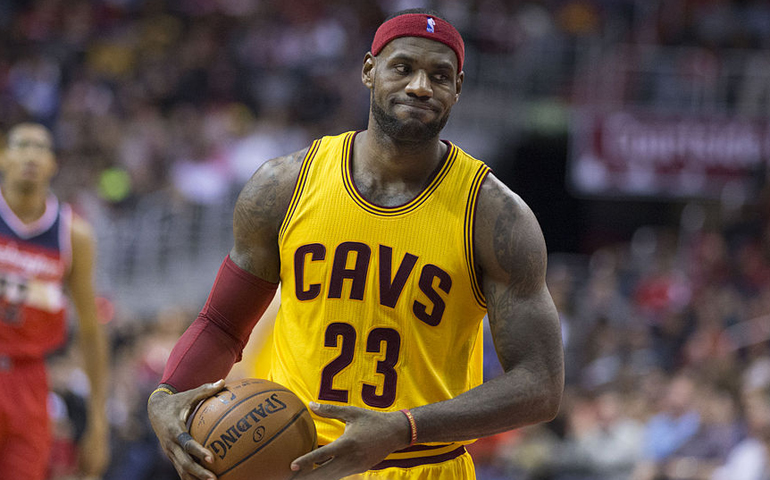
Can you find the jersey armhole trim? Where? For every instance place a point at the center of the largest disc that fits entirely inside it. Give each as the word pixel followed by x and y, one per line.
pixel 299 187
pixel 469 227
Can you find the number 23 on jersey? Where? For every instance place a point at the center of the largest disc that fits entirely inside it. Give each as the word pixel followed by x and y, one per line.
pixel 344 337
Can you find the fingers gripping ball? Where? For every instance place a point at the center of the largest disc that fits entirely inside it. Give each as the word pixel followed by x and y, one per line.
pixel 254 428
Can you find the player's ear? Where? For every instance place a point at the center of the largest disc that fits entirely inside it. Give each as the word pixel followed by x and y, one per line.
pixel 459 85
pixel 55 169
pixel 367 72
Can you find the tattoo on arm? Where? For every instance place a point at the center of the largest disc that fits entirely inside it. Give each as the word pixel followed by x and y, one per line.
pixel 518 248
pixel 514 264
pixel 259 211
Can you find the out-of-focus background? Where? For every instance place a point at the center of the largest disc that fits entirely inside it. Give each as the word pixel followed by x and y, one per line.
pixel 637 130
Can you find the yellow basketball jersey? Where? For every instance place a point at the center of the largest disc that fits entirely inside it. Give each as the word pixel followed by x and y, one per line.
pixel 380 306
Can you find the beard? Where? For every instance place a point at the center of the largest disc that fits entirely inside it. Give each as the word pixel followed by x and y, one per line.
pixel 406 131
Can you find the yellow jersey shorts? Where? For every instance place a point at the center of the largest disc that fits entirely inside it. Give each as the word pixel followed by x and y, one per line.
pixel 459 468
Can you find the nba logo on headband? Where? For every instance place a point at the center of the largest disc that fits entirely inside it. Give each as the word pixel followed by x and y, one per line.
pixel 420 25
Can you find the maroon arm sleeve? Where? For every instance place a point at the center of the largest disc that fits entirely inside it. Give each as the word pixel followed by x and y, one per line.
pixel 207 350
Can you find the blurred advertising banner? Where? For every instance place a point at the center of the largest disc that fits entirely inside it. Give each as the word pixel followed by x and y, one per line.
pixel 634 154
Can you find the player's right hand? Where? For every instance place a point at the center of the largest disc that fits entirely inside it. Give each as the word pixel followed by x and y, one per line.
pixel 168 416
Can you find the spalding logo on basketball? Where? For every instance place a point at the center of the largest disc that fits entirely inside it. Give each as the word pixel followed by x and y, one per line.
pixel 254 428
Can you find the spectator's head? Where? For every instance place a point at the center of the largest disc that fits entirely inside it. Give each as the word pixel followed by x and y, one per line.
pixel 680 395
pixel 718 406
pixel 757 412
pixel 609 408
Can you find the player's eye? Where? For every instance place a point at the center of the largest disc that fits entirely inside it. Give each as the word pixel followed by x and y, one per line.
pixel 22 144
pixel 402 68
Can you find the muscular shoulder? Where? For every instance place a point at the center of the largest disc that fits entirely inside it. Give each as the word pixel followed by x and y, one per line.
pixel 508 240
pixel 265 197
pixel 261 207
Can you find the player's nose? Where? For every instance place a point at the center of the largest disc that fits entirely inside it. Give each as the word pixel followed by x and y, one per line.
pixel 419 84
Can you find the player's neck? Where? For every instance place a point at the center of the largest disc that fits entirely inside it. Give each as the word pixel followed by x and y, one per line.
pixel 27 204
pixel 397 161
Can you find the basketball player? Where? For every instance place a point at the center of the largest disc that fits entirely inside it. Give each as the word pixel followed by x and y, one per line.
pixel 391 246
pixel 43 249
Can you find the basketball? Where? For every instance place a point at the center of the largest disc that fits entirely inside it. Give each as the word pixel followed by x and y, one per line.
pixel 254 428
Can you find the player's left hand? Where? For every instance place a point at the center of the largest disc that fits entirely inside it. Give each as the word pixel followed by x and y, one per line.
pixel 94 450
pixel 369 437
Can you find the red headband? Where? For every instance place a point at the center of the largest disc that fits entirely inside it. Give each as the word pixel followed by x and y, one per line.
pixel 420 25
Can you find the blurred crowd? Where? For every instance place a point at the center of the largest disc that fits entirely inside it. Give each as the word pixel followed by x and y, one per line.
pixel 667 335
pixel 154 94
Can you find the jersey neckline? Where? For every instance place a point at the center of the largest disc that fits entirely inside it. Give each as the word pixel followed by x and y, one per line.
pixel 373 208
pixel 29 230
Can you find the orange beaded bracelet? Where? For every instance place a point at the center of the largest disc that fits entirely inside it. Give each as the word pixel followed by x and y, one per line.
pixel 412 425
